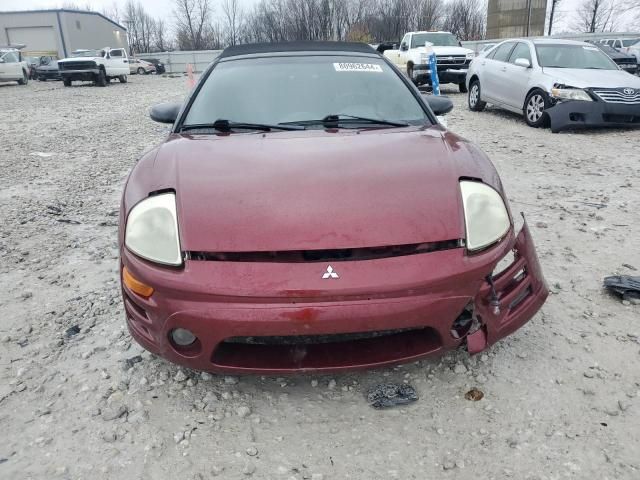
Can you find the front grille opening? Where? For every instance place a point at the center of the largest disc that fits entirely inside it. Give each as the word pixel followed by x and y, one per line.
pixel 335 255
pixel 362 349
pixel 617 118
pixel 522 296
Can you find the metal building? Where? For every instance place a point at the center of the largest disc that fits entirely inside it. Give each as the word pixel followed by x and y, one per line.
pixel 515 18
pixel 59 32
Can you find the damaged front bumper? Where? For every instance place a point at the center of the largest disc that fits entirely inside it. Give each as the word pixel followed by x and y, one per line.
pixel 446 74
pixel 576 114
pixel 380 312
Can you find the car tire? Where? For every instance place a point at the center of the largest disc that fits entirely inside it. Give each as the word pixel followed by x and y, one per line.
pixel 122 78
pixel 474 99
pixel 42 79
pixel 25 79
pixel 67 82
pixel 101 79
pixel 534 108
pixel 410 73
pixel 141 71
pixel 463 87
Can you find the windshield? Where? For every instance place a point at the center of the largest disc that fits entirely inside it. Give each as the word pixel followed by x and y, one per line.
pixel 630 41
pixel 89 53
pixel 573 56
pixel 437 39
pixel 277 90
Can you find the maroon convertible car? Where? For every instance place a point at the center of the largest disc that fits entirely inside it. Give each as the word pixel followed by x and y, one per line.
pixel 309 213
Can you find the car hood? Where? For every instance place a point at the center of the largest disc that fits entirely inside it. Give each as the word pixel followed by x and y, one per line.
pixel 313 189
pixel 80 59
pixel 584 78
pixel 447 50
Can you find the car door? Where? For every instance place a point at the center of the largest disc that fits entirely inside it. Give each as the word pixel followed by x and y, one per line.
pixel 493 69
pixel 11 68
pixel 403 52
pixel 516 77
pixel 119 62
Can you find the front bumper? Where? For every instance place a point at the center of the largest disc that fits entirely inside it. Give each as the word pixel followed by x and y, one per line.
pixel 446 74
pixel 48 75
pixel 579 114
pixel 379 312
pixel 87 75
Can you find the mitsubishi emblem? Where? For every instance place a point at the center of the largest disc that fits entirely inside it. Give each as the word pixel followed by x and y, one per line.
pixel 330 273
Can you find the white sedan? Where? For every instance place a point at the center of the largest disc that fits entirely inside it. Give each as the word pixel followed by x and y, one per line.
pixel 558 83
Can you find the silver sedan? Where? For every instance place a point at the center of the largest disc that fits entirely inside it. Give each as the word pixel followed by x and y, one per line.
pixel 558 83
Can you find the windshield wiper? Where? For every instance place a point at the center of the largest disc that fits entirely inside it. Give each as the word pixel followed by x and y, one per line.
pixel 335 120
pixel 223 125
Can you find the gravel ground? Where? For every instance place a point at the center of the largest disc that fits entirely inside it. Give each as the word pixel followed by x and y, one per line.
pixel 79 400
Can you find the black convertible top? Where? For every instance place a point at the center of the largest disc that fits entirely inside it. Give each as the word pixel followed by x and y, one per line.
pixel 259 48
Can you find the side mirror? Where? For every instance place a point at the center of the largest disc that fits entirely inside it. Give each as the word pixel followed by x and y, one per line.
pixel 404 47
pixel 165 112
pixel 440 105
pixel 523 62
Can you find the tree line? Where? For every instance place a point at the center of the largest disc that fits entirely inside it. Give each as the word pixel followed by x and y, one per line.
pixel 215 24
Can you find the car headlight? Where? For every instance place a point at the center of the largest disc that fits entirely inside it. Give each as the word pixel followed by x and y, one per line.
pixel 485 215
pixel 424 58
pixel 570 94
pixel 470 55
pixel 152 230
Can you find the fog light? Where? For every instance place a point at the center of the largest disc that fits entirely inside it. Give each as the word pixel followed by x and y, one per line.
pixel 182 337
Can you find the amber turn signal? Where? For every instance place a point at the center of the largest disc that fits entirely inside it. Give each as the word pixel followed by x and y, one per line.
pixel 136 285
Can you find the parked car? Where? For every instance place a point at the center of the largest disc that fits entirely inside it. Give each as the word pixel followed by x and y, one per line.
pixel 12 68
pixel 48 69
pixel 624 61
pixel 452 59
pixel 251 240
pixel 620 44
pixel 634 51
pixel 98 66
pixel 156 63
pixel 560 83
pixel 32 64
pixel 140 67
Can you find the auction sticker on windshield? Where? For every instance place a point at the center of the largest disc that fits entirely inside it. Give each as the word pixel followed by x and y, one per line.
pixel 357 67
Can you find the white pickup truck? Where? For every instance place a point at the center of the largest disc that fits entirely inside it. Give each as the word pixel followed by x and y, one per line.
pixel 452 59
pixel 98 66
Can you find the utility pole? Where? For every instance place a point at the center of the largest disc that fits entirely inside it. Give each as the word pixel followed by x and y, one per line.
pixel 528 18
pixel 553 11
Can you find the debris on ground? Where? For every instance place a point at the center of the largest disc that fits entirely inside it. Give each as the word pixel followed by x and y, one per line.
pixel 387 395
pixel 474 395
pixel 626 286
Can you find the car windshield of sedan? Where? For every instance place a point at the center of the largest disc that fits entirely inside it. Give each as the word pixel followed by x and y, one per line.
pixel 630 41
pixel 436 39
pixel 574 56
pixel 290 89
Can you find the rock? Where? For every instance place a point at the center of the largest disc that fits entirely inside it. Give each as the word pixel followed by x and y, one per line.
pixel 6 339
pixel 231 380
pixel 206 376
pixel 252 451
pixel 332 384
pixel 448 465
pixel 216 470
pixel 317 476
pixel 178 437
pixel 314 383
pixel 130 362
pixel 72 331
pixel 459 368
pixel 180 376
pixel 113 412
pixel 626 303
pixel 109 437
pixel 243 411
pixel 249 468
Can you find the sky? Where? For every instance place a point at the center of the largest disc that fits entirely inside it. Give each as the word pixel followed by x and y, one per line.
pixel 164 8
pixel 156 8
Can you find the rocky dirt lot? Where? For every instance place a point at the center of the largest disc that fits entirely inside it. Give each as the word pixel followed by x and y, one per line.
pixel 79 400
